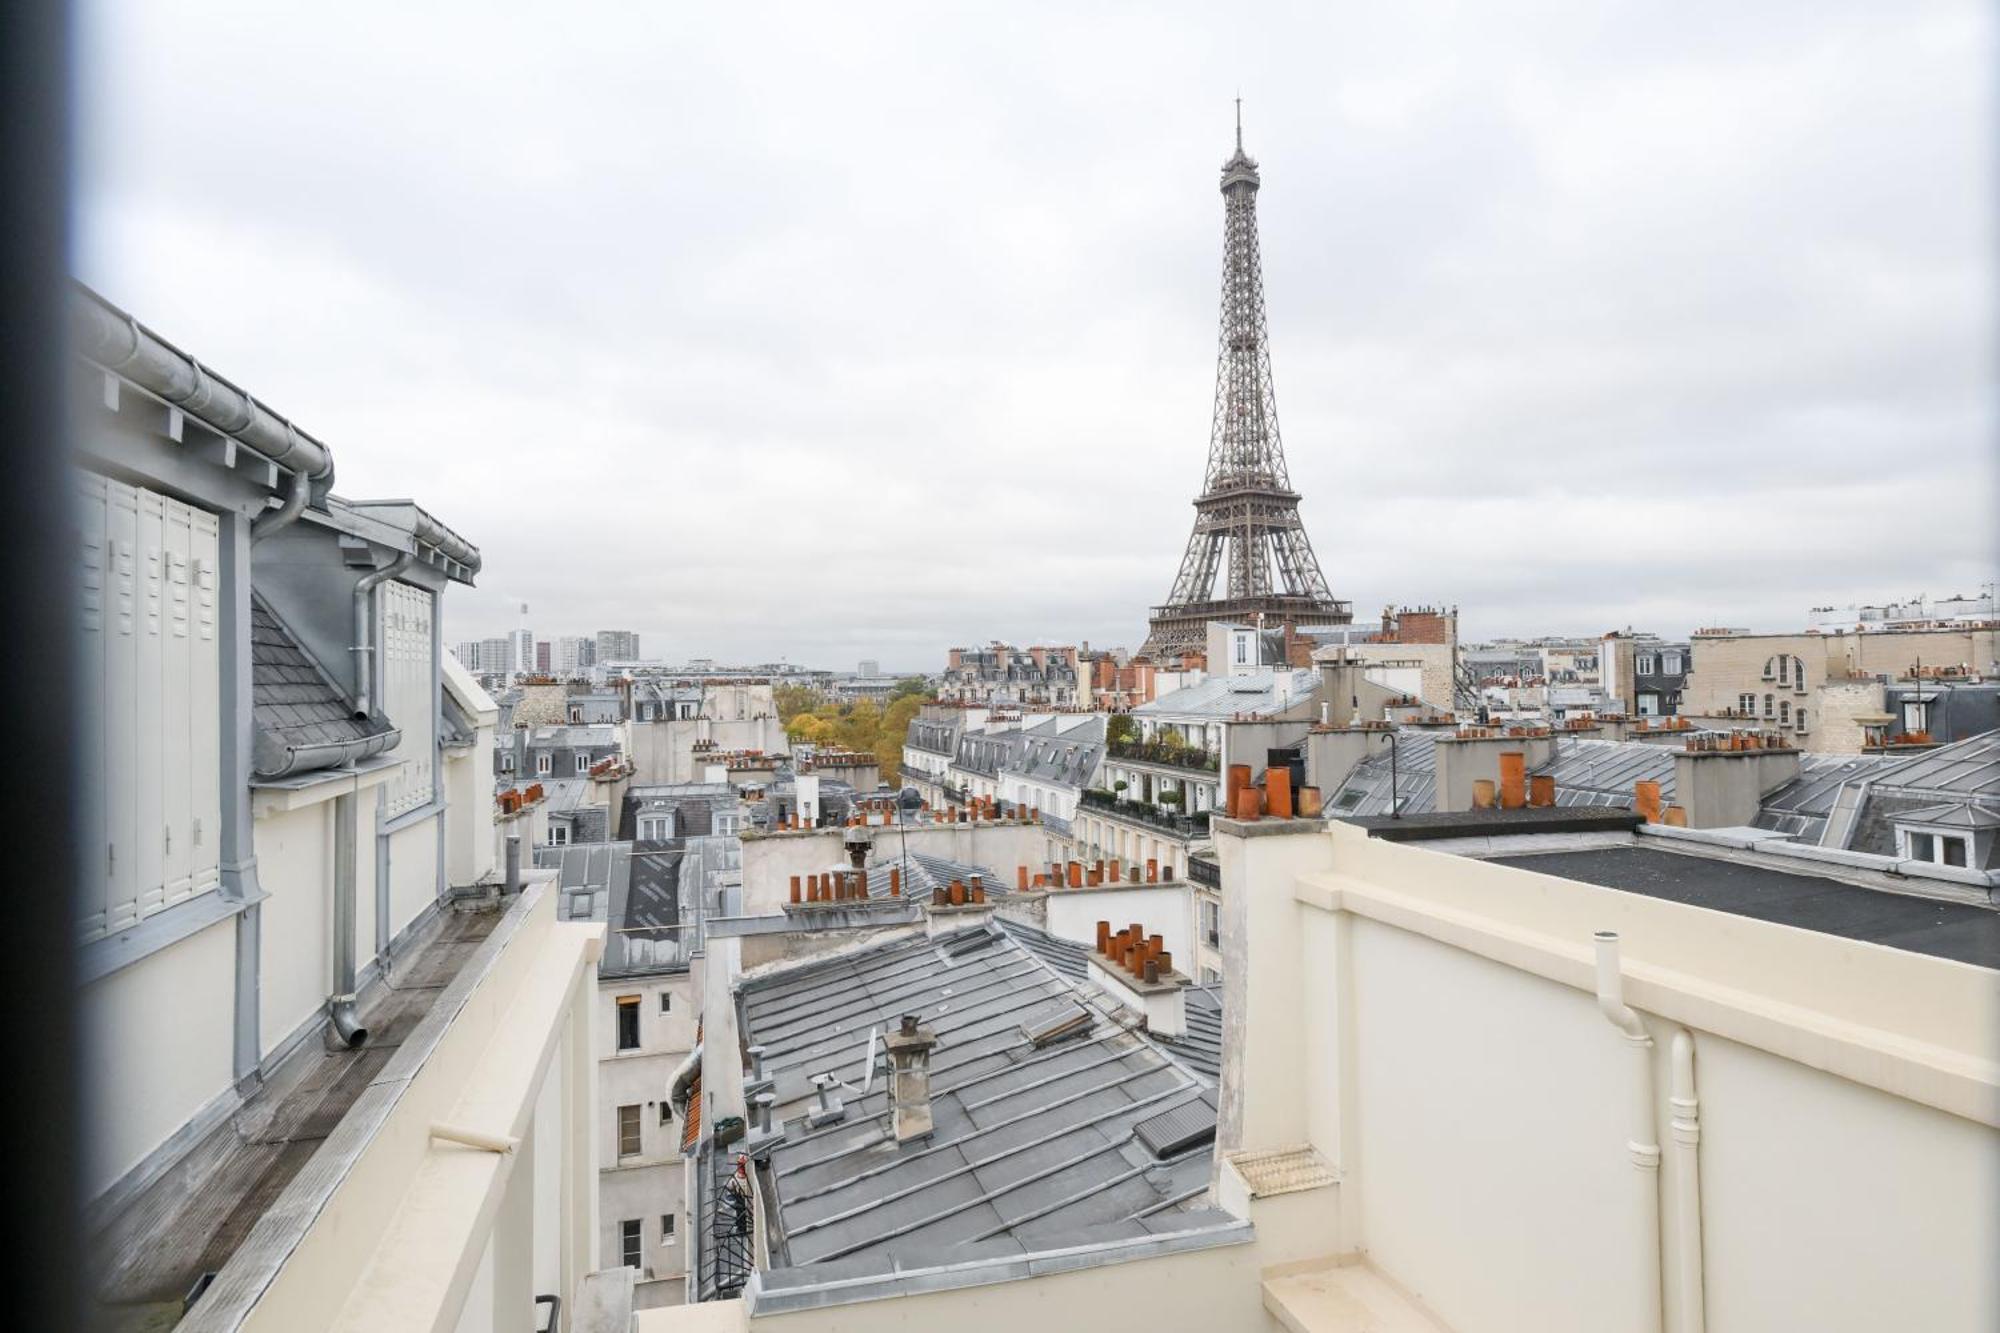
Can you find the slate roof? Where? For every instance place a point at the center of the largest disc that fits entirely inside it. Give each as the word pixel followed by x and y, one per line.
pixel 1032 1148
pixel 651 894
pixel 1061 755
pixel 922 873
pixel 304 721
pixel 1200 1047
pixel 1067 957
pixel 1592 772
pixel 1224 697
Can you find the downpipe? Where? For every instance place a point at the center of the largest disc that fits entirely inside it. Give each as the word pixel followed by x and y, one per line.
pixel 272 520
pixel 344 1029
pixel 1690 1282
pixel 1642 1142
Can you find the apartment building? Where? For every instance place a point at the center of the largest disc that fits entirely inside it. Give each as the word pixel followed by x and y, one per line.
pixel 295 859
pixel 1037 677
pixel 1828 691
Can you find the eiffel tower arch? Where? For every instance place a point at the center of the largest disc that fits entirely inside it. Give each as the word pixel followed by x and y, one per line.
pixel 1247 523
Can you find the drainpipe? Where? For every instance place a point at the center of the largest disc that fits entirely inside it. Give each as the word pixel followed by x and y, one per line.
pixel 367 660
pixel 343 1023
pixel 1642 1142
pixel 1689 1283
pixel 285 514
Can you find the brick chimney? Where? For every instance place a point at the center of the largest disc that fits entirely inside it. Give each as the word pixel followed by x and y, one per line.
pixel 1724 786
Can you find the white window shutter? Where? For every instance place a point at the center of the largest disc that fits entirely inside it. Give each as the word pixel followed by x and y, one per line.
pixel 121 696
pixel 152 729
pixel 93 585
pixel 409 692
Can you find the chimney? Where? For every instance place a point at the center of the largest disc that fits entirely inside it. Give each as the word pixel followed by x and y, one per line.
pixel 1718 788
pixel 909 1049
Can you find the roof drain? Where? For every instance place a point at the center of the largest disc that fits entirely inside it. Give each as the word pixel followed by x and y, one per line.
pixel 271 520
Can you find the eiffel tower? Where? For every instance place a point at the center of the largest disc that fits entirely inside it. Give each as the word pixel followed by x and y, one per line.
pixel 1247 506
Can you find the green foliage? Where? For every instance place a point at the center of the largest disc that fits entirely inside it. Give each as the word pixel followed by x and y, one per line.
pixel 1120 785
pixel 1171 741
pixel 864 725
pixel 1172 798
pixel 1121 727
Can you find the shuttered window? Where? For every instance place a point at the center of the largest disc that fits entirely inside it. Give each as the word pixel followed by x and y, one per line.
pixel 151 683
pixel 409 693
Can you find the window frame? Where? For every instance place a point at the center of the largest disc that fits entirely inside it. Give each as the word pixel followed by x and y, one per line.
pixel 632 1243
pixel 545 765
pixel 627 1006
pixel 638 1136
pixel 668 1231
pixel 583 763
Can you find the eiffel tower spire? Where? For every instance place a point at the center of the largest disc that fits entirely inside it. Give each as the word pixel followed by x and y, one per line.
pixel 1247 516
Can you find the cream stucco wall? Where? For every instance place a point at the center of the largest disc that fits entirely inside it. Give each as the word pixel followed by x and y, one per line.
pixel 1428 1024
pixel 157 1049
pixel 295 854
pixel 413 872
pixel 771 859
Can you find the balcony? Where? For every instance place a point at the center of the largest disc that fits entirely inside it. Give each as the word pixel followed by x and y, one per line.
pixel 1165 756
pixel 1172 823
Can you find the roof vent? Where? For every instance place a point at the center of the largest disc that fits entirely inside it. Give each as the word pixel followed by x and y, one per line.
pixel 1177 1129
pixel 1071 1020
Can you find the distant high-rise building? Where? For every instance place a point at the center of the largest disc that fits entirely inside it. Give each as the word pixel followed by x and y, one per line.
pixel 521 652
pixel 574 655
pixel 617 645
pixel 870 667
pixel 542 656
pixel 467 654
pixel 494 657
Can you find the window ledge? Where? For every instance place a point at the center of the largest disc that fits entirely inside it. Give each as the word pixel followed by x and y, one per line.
pixel 100 958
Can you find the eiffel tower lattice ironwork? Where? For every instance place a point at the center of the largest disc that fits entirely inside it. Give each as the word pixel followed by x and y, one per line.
pixel 1247 516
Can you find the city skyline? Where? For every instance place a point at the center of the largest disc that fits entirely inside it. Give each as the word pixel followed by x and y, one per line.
pixel 1544 353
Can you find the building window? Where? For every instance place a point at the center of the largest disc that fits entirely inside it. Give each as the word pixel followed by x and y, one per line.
pixel 1670 664
pixel 1768 704
pixel 1746 704
pixel 1936 848
pixel 1784 669
pixel 1645 665
pixel 630 1243
pixel 666 1228
pixel 628 1022
pixel 1784 712
pixel 1211 923
pixel 1802 719
pixel 558 835
pixel 583 763
pixel 666 1002
pixel 666 1112
pixel 1209 976
pixel 544 764
pixel 628 1130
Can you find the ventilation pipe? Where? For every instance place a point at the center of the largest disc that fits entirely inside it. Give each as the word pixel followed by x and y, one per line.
pixel 367 662
pixel 343 1023
pixel 1642 1143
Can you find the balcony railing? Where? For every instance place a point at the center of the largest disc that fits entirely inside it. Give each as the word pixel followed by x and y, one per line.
pixel 1168 756
pixel 1204 871
pixel 1138 812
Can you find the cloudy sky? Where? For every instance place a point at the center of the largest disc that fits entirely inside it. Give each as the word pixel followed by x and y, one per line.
pixel 835 331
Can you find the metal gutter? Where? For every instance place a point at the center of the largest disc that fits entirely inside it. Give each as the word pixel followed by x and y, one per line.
pixel 120 345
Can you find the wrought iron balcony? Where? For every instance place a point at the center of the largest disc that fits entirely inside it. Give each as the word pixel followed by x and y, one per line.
pixel 1166 756
pixel 1138 812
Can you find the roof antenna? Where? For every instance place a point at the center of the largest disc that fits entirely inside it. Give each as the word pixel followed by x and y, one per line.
pixel 1239 127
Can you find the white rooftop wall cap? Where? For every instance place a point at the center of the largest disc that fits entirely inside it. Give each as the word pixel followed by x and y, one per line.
pixel 118 343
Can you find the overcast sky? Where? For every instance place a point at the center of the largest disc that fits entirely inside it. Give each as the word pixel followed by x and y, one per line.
pixel 846 331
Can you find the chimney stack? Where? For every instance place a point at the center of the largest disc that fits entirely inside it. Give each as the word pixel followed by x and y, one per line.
pixel 909 1049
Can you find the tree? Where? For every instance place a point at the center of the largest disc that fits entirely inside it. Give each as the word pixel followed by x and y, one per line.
pixel 1121 728
pixel 909 687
